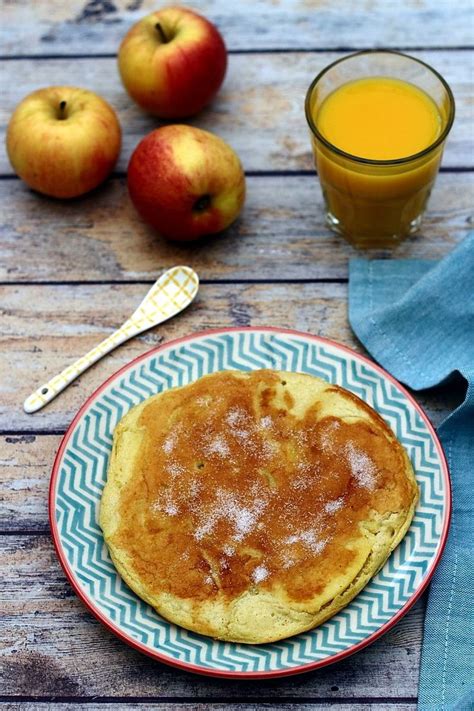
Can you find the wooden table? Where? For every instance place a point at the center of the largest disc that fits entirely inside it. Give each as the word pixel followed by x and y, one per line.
pixel 71 271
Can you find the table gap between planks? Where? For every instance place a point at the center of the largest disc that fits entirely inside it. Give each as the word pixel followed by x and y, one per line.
pixel 70 272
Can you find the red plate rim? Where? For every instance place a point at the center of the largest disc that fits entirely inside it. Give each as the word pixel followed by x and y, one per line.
pixel 237 674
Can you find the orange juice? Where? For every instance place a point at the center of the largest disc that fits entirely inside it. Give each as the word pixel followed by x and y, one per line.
pixel 377 141
pixel 379 118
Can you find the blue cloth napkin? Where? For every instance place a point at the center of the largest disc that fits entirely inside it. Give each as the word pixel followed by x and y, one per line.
pixel 416 318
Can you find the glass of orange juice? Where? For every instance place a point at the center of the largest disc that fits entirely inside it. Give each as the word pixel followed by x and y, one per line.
pixel 378 121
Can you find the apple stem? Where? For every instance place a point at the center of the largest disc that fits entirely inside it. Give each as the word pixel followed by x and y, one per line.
pixel 62 109
pixel 202 203
pixel 161 32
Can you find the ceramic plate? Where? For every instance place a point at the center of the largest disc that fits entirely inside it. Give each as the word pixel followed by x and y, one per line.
pixel 79 474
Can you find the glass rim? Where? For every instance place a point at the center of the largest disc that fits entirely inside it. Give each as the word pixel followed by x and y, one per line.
pixel 371 161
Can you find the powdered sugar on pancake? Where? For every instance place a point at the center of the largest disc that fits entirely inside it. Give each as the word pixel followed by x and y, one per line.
pixel 218 446
pixel 175 469
pixel 260 573
pixel 309 539
pixel 335 505
pixel 230 507
pixel 362 467
pixel 327 439
pixel 238 515
pixel 166 504
pixel 236 416
pixel 170 442
pixel 195 487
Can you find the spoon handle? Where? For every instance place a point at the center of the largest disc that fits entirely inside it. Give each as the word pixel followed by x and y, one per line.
pixel 47 392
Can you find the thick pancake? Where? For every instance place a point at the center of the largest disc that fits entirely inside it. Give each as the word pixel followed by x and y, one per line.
pixel 254 506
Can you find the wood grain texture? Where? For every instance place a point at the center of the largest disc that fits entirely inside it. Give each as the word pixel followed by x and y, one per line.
pixel 55 655
pixel 259 110
pixel 90 26
pixel 52 646
pixel 191 705
pixel 280 234
pixel 25 470
pixel 47 327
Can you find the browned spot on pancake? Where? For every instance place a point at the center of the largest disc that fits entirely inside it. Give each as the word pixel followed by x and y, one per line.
pixel 289 400
pixel 239 492
pixel 266 397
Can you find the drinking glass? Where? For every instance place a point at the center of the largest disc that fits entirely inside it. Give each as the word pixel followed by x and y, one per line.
pixel 377 203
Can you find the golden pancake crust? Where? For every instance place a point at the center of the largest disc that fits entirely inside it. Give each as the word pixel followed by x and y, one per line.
pixel 254 506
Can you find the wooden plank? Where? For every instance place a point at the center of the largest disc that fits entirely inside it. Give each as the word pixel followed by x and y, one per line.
pixel 281 233
pixel 118 706
pixel 259 111
pixel 53 646
pixel 54 650
pixel 88 26
pixel 25 467
pixel 47 327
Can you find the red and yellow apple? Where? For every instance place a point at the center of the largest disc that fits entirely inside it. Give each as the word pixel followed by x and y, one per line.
pixel 186 182
pixel 63 141
pixel 172 62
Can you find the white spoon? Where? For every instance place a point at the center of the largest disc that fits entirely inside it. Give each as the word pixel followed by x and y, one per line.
pixel 170 294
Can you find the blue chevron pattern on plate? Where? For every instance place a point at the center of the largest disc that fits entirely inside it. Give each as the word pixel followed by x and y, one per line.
pixel 80 473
